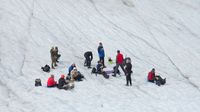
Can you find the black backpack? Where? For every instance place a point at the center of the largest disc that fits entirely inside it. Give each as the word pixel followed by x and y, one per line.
pixel 46 68
pixel 38 82
pixel 94 70
pixel 105 75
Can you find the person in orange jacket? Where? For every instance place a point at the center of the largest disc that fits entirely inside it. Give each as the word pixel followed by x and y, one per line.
pixel 51 82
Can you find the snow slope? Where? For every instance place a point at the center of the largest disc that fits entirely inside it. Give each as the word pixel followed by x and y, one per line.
pixel 164 34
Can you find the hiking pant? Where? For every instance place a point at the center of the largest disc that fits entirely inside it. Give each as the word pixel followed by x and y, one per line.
pixel 116 68
pixel 128 79
pixel 53 61
pixel 102 59
pixel 88 61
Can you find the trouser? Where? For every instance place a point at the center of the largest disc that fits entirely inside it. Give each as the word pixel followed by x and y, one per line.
pixel 102 60
pixel 53 62
pixel 128 79
pixel 88 62
pixel 116 68
pixel 58 56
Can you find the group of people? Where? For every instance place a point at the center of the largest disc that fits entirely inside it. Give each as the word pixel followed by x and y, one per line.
pixel 125 65
pixel 62 83
pixel 75 75
pixel 68 82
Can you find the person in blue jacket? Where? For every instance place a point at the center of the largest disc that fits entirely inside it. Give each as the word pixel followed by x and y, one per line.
pixel 71 68
pixel 101 53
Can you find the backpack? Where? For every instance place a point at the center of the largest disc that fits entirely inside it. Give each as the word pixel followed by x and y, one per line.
pixel 94 70
pixel 38 82
pixel 46 68
pixel 105 75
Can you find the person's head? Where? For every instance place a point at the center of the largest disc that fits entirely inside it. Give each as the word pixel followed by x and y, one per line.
pixel 52 47
pixel 153 70
pixel 128 61
pixel 56 47
pixel 74 65
pixel 52 76
pixel 100 44
pixel 62 76
pixel 118 51
pixel 75 69
pixel 109 59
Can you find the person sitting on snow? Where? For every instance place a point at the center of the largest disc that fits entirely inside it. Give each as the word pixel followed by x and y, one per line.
pixel 71 68
pixel 63 84
pixel 76 75
pixel 51 82
pixel 155 78
pixel 99 67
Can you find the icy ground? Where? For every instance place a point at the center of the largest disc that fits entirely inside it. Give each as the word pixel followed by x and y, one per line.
pixel 164 34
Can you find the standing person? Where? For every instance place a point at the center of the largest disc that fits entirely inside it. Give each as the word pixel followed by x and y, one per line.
pixel 128 68
pixel 119 62
pixel 57 55
pixel 101 53
pixel 53 57
pixel 51 82
pixel 88 58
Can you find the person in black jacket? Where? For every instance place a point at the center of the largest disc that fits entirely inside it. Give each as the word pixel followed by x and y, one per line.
pixel 128 70
pixel 88 58
pixel 61 82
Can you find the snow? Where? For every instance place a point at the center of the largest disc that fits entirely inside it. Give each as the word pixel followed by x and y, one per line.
pixel 164 34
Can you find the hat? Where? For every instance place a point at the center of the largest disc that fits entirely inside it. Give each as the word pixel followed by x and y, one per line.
pixel 62 76
pixel 118 51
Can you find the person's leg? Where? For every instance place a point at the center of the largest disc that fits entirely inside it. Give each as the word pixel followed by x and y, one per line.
pixel 103 62
pixel 122 67
pixel 89 63
pixel 127 80
pixel 85 62
pixel 130 80
pixel 116 68
pixel 52 64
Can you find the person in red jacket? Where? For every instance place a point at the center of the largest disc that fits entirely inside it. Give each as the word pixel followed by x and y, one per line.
pixel 51 82
pixel 119 62
pixel 156 78
pixel 151 76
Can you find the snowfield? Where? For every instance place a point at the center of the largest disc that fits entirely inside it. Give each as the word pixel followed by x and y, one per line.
pixel 164 34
